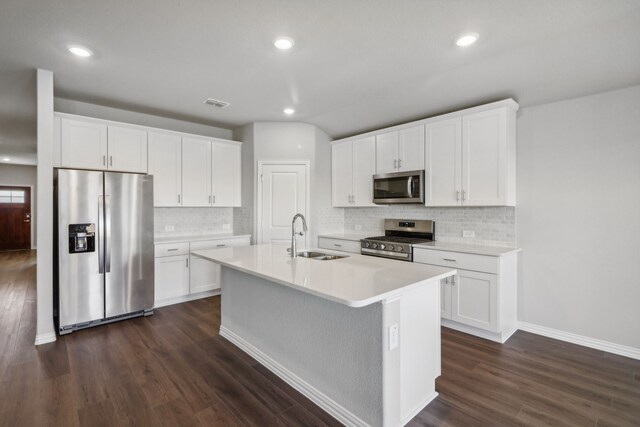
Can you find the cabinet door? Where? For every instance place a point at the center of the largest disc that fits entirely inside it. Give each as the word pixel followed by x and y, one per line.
pixel 127 149
pixel 411 149
pixel 445 298
pixel 165 164
pixel 171 277
pixel 364 167
pixel 484 158
pixel 225 174
pixel 196 172
pixel 204 275
pixel 83 145
pixel 474 299
pixel 387 152
pixel 443 159
pixel 341 174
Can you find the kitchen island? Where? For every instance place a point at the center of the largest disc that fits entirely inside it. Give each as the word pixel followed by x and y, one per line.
pixel 359 336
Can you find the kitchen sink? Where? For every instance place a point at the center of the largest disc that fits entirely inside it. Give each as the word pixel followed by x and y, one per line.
pixel 319 256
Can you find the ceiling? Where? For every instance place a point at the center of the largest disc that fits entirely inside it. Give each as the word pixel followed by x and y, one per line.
pixel 357 65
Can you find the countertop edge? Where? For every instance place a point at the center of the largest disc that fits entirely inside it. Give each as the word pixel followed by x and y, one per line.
pixel 497 251
pixel 198 238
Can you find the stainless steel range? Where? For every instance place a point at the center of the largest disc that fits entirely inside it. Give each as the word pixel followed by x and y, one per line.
pixel 399 237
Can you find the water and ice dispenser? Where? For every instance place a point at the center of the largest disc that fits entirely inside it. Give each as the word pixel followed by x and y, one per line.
pixel 82 238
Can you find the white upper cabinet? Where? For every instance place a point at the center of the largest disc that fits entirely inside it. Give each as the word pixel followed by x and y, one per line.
pixel 411 149
pixel 486 153
pixel 443 160
pixel 400 151
pixel 127 149
pixel 196 172
pixel 83 145
pixel 387 152
pixel 225 174
pixel 353 167
pixel 86 144
pixel 165 164
pixel 470 160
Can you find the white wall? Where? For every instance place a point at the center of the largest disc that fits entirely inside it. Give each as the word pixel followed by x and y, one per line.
pixel 23 175
pixel 107 113
pixel 578 216
pixel 44 262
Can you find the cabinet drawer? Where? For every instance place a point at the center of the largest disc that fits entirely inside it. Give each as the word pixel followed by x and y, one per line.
pixel 483 263
pixel 171 249
pixel 218 243
pixel 339 245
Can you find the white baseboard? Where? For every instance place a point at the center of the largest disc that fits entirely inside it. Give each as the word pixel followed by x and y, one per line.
pixel 609 347
pixel 419 408
pixel 45 338
pixel 323 401
pixel 492 336
pixel 185 298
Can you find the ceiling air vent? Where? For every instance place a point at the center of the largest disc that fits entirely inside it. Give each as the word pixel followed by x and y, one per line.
pixel 216 103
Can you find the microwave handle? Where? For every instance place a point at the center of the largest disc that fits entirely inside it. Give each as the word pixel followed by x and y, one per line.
pixel 410 187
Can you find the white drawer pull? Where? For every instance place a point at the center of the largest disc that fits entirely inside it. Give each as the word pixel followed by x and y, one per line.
pixel 449 259
pixel 221 246
pixel 338 245
pixel 171 250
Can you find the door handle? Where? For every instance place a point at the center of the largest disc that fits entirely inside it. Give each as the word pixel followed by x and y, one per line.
pixel 100 234
pixel 410 187
pixel 107 240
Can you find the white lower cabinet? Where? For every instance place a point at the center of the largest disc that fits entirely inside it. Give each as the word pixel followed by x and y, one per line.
pixel 182 276
pixel 482 298
pixel 171 277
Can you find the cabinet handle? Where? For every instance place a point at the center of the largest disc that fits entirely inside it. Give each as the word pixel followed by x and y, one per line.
pixel 110 160
pixel 337 245
pixel 214 199
pixel 209 199
pixel 178 198
pixel 220 246
pixel 457 195
pixel 172 249
pixel 187 262
pixel 463 195
pixel 104 160
pixel 453 280
pixel 449 259
pixel 395 164
pixel 399 163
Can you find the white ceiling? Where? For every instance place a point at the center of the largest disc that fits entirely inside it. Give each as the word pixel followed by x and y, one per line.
pixel 356 65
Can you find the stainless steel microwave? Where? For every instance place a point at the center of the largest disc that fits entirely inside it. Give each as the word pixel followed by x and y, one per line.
pixel 398 187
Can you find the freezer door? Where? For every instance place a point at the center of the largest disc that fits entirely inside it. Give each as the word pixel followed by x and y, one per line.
pixel 80 280
pixel 129 255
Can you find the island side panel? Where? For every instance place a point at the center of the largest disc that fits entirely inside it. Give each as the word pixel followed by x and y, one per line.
pixel 334 348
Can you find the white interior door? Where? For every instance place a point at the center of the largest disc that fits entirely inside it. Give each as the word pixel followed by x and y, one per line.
pixel 282 194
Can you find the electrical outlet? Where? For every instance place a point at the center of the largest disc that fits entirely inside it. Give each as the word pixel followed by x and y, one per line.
pixel 169 228
pixel 468 233
pixel 393 336
pixel 226 226
pixel 358 227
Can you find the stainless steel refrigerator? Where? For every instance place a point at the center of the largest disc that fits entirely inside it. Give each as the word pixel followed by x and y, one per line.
pixel 104 261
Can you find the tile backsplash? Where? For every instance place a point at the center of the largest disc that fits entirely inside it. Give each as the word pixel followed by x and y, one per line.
pixel 493 226
pixel 192 220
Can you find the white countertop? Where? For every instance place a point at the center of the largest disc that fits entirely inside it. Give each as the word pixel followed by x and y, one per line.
pixel 197 237
pixel 355 281
pixel 468 249
pixel 356 237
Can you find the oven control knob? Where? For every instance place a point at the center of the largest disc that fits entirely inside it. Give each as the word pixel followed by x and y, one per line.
pixel 382 246
pixel 390 247
pixel 374 245
pixel 400 248
pixel 366 244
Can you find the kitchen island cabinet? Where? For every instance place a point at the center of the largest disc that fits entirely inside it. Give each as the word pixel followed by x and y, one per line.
pixel 359 336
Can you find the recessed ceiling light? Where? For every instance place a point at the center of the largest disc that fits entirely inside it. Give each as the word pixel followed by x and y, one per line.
pixel 80 51
pixel 6 159
pixel 283 43
pixel 288 111
pixel 467 39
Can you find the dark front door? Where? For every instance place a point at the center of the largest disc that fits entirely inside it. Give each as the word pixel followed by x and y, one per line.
pixel 15 218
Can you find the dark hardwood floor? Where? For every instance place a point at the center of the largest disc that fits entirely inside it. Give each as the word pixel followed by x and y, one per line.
pixel 173 369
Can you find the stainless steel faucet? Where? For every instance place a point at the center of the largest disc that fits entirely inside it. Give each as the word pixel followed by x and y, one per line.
pixel 294 248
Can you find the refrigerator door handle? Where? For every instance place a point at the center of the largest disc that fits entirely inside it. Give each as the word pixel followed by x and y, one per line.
pixel 100 234
pixel 107 243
